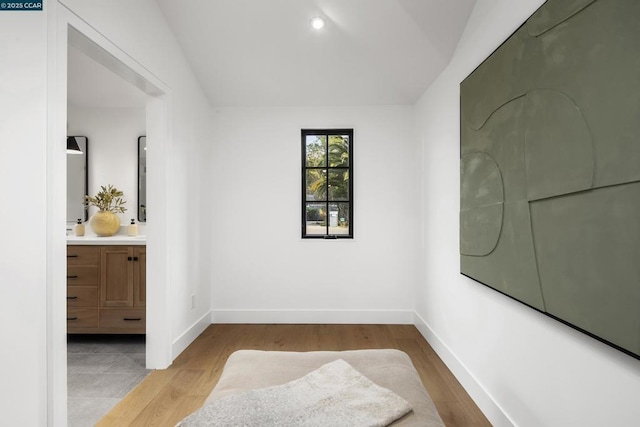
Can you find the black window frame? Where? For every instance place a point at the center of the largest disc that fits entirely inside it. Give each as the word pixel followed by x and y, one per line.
pixel 327 133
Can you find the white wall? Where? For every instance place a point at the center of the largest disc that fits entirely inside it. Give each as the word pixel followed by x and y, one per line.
pixel 139 29
pixel 520 366
pixel 32 179
pixel 262 270
pixel 23 257
pixel 113 149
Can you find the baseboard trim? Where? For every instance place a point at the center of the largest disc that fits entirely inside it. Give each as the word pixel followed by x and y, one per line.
pixel 392 317
pixel 188 336
pixel 480 396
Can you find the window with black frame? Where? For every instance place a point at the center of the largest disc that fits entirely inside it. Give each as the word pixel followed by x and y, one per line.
pixel 327 183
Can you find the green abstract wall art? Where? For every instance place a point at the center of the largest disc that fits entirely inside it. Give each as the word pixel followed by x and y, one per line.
pixel 550 168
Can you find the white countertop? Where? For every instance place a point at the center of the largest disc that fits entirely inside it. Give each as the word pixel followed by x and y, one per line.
pixel 118 239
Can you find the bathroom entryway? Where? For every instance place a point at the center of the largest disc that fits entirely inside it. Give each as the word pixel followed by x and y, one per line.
pixel 101 370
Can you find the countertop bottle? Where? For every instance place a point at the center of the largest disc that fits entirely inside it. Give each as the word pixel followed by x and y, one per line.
pixel 132 229
pixel 78 229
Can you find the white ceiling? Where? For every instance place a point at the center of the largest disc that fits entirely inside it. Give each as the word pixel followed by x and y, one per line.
pixel 90 84
pixel 264 52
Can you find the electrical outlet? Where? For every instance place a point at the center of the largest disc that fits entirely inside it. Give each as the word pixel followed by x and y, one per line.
pixel 193 301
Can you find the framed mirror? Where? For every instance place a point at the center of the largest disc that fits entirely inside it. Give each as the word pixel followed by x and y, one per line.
pixel 77 177
pixel 142 179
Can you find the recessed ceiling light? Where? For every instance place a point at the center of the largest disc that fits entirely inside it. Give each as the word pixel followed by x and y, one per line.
pixel 317 23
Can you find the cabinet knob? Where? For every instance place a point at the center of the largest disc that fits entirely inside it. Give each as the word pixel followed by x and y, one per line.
pixel 72 256
pixel 73 297
pixel 72 318
pixel 129 258
pixel 132 319
pixel 72 277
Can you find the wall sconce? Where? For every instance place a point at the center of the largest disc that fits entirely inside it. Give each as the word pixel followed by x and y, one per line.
pixel 72 146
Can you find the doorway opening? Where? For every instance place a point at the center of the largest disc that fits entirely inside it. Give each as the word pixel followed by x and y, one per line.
pixel 74 35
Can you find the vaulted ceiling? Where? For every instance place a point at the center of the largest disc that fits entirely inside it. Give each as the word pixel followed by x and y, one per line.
pixel 265 53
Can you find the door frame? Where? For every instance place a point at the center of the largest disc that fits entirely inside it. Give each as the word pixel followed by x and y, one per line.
pixel 66 27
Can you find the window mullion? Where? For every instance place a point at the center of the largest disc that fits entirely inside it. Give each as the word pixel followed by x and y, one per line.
pixel 326 150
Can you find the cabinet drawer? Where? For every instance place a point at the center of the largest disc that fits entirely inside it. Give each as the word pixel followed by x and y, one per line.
pixel 123 318
pixel 82 318
pixel 82 276
pixel 82 296
pixel 83 255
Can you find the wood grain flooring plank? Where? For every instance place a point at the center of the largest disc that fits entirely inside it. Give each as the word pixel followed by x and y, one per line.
pixel 167 396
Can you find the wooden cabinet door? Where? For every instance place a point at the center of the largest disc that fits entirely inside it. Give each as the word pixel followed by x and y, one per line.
pixel 116 271
pixel 140 276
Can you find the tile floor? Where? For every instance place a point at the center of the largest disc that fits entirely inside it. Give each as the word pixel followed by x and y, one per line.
pixel 101 370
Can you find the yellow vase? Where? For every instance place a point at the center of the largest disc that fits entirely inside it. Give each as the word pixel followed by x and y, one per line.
pixel 105 223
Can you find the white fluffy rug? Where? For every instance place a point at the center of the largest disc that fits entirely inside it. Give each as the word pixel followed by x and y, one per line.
pixel 333 395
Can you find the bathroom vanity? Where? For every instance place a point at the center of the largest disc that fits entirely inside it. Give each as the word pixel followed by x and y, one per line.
pixel 106 285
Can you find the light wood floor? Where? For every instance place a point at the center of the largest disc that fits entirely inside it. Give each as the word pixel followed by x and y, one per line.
pixel 167 396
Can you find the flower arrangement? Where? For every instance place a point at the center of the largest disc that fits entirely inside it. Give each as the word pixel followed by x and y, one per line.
pixel 107 199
